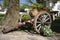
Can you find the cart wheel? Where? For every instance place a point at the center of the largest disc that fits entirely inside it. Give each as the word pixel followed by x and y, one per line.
pixel 42 19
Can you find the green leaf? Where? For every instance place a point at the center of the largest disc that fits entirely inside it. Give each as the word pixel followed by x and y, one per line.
pixel 26 17
pixel 46 31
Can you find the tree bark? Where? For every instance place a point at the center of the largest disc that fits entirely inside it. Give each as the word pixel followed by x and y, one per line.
pixel 12 15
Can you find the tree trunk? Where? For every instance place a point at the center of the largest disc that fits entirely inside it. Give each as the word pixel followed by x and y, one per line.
pixel 12 14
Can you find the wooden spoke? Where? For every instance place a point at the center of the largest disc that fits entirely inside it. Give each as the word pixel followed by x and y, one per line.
pixel 46 20
pixel 38 25
pixel 38 22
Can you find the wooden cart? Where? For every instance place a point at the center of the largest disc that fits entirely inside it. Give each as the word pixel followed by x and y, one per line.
pixel 41 18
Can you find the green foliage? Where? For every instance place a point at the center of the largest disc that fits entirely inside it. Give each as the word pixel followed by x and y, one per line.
pixel 26 17
pixel 58 17
pixel 5 3
pixel 49 7
pixel 1 16
pixel 46 31
pixel 24 6
pixel 54 1
pixel 38 5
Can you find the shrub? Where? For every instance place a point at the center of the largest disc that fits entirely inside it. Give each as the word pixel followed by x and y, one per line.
pixel 26 17
pixel 38 5
pixel 46 31
pixel 1 16
pixel 58 17
pixel 24 6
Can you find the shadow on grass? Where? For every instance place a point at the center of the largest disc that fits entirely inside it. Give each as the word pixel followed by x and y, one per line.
pixel 56 25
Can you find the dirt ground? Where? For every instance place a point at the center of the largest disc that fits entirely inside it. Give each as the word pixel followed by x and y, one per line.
pixel 21 35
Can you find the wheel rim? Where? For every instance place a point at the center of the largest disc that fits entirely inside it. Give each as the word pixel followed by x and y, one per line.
pixel 42 20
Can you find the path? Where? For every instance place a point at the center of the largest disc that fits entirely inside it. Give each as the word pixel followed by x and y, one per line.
pixel 21 35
